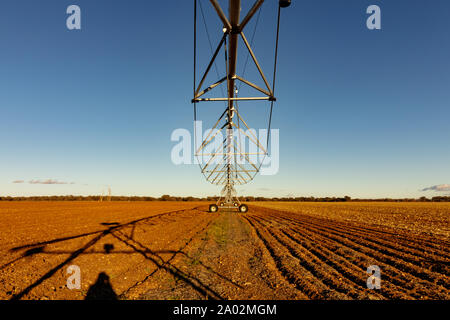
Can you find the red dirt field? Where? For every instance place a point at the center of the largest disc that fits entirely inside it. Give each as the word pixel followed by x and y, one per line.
pixel 177 250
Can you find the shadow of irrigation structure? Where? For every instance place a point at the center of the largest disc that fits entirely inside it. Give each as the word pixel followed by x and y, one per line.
pixel 102 288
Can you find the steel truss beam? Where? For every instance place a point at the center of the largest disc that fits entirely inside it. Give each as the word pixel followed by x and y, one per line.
pixel 227 171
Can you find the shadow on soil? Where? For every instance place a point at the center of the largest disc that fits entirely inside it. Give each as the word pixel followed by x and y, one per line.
pixel 102 289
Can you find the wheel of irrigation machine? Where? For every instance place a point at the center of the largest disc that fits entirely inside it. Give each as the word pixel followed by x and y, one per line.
pixel 213 208
pixel 243 208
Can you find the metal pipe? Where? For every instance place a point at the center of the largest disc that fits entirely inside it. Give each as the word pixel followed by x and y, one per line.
pixel 210 64
pixel 210 87
pixel 250 14
pixel 222 16
pixel 253 85
pixel 234 12
pixel 232 99
pixel 256 62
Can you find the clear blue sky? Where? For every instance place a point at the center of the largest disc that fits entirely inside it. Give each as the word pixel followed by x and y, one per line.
pixel 361 113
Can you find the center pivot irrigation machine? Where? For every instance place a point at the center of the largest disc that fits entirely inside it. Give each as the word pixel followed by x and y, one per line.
pixel 230 164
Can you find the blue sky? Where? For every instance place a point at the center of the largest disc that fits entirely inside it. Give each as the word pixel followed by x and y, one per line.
pixel 361 112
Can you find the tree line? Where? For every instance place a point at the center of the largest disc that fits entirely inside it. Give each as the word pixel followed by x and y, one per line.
pixel 167 197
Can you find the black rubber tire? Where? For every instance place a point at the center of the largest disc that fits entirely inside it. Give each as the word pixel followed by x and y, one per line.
pixel 213 208
pixel 243 208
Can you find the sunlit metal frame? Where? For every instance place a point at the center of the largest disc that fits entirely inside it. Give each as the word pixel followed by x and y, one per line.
pixel 229 172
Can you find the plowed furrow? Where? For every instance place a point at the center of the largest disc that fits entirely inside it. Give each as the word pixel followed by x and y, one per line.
pixel 431 255
pixel 395 274
pixel 354 272
pixel 396 241
pixel 429 262
pixel 320 269
pixel 402 234
pixel 394 280
pixel 416 287
pixel 437 245
pixel 392 290
pixel 290 268
pixel 432 244
pixel 387 256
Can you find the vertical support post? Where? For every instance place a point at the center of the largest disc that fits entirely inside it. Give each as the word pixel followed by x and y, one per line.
pixel 234 13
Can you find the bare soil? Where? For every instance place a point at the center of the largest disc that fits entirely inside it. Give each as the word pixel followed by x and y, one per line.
pixel 178 250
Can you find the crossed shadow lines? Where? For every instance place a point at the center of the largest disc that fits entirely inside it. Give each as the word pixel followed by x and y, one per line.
pixel 116 230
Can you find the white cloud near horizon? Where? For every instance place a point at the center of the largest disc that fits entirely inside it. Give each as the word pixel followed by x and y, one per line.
pixel 438 188
pixel 47 181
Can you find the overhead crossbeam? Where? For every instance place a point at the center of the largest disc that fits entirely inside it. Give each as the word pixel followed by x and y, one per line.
pixel 235 26
pixel 233 31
